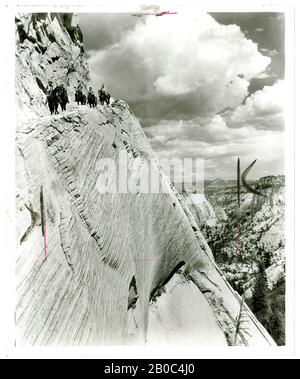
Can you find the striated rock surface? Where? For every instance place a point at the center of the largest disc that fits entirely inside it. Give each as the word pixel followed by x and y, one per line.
pixel 98 267
pixel 201 209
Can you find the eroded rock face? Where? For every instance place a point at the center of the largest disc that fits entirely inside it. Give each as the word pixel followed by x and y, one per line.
pixel 201 209
pixel 107 268
pixel 49 48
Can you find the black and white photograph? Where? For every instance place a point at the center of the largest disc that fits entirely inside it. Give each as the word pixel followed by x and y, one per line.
pixel 152 179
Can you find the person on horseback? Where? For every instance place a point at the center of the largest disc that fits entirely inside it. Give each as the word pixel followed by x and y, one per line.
pixel 91 93
pixel 92 100
pixel 102 92
pixel 51 98
pixel 79 96
pixel 103 95
pixel 62 96
pixel 49 88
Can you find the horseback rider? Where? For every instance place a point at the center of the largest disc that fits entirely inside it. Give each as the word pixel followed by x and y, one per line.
pixel 103 88
pixel 92 99
pixel 61 90
pixel 78 91
pixel 49 88
pixel 104 96
pixel 62 96
pixel 79 96
pixel 102 91
pixel 52 98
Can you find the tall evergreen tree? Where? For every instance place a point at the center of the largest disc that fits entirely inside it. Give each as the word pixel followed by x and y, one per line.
pixel 260 299
pixel 277 328
pixel 267 258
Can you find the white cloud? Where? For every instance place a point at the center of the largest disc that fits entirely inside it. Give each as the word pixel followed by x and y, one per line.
pixel 187 63
pixel 270 53
pixel 264 75
pixel 204 130
pixel 266 104
pixel 188 66
pixel 267 74
pixel 219 145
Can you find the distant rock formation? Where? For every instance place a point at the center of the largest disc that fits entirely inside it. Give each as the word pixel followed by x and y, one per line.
pixel 201 209
pixel 272 181
pixel 262 230
pixel 215 183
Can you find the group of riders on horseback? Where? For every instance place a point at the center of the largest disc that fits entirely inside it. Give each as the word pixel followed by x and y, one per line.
pixel 55 97
pixel 59 96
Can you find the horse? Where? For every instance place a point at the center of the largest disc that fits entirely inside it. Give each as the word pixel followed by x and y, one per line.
pixel 80 98
pixel 53 102
pixel 92 100
pixel 104 97
pixel 62 95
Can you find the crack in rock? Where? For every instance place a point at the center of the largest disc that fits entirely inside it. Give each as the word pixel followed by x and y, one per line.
pixel 34 217
pixel 65 242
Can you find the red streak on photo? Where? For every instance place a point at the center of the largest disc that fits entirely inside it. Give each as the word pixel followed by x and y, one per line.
pixel 140 14
pixel 238 240
pixel 45 241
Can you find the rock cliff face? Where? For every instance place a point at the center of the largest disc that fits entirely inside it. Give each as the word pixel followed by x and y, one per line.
pixel 97 267
pixel 201 209
pixel 49 48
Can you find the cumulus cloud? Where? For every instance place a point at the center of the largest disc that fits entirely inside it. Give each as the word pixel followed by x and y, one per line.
pixel 219 145
pixel 267 74
pixel 251 131
pixel 212 130
pixel 264 108
pixel 181 65
pixel 270 53
pixel 186 77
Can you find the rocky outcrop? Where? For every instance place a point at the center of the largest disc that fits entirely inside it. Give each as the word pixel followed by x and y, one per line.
pixel 201 209
pixel 271 181
pixel 96 266
pixel 49 48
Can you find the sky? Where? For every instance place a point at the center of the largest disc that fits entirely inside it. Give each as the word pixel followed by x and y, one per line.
pixel 201 85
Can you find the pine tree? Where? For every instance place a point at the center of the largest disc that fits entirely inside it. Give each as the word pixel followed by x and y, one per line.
pixel 260 299
pixel 267 258
pixel 277 328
